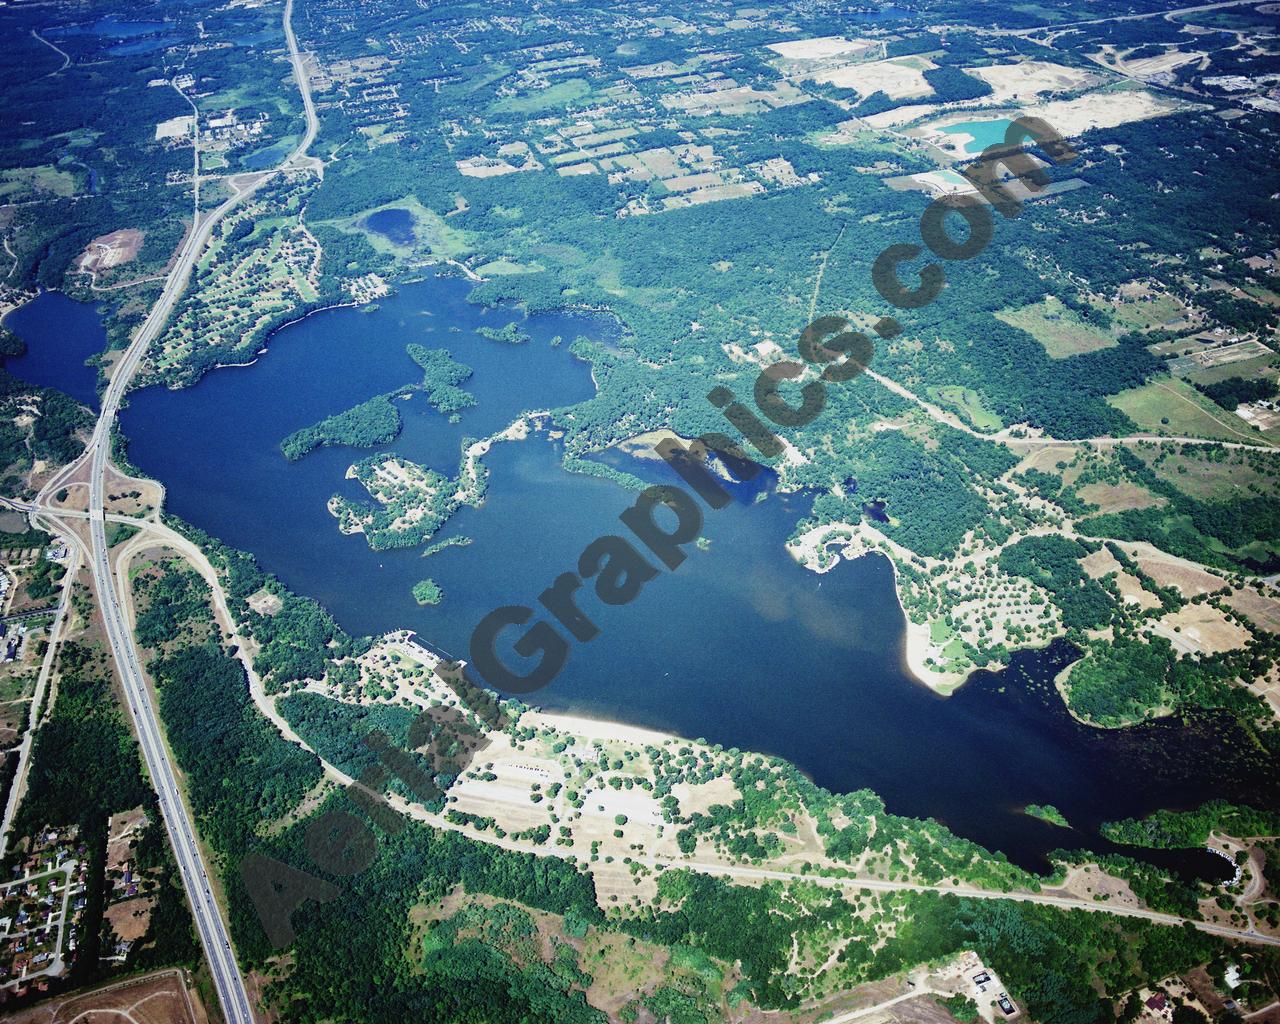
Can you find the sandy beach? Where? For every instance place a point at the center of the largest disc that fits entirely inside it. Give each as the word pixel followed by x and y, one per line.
pixel 821 550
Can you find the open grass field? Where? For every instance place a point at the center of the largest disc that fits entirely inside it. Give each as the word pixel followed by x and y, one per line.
pixel 1062 333
pixel 1251 369
pixel 1119 497
pixel 559 95
pixel 25 182
pixel 1220 356
pixel 1173 407
pixel 969 404
pixel 1148 312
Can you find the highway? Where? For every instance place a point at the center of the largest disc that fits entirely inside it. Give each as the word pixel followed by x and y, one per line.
pixel 214 936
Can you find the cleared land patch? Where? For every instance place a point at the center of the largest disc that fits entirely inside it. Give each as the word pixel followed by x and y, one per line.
pixel 823 48
pixel 1108 108
pixel 1119 497
pixel 1176 409
pixel 111 250
pixel 1030 78
pixel 899 79
pixel 1060 330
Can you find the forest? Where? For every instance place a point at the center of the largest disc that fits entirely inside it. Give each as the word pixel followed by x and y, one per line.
pixel 1173 829
pixel 370 423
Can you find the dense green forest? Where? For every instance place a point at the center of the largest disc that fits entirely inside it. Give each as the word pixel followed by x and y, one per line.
pixel 1172 829
pixel 370 423
pixel 1234 391
pixel 441 377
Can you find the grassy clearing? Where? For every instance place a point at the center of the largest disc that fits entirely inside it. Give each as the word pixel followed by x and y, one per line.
pixel 1148 314
pixel 940 632
pixel 1251 369
pixel 1119 497
pixel 1173 407
pixel 559 95
pixel 501 267
pixel 1062 333
pixel 969 404
pixel 1208 479
pixel 20 181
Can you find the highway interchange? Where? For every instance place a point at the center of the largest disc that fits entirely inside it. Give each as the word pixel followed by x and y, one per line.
pixel 214 936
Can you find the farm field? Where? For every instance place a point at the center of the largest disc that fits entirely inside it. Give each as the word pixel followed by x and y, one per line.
pixel 1172 407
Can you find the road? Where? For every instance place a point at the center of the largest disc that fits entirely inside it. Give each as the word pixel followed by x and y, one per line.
pixel 19 787
pixel 919 987
pixel 968 892
pixel 1167 15
pixel 213 933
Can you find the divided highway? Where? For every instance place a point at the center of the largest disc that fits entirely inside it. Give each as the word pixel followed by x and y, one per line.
pixel 214 937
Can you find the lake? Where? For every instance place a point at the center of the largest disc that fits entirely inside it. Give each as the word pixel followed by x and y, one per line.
pixel 64 334
pixel 739 645
pixel 985 133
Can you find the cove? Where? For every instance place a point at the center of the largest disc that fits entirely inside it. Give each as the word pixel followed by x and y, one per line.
pixel 740 645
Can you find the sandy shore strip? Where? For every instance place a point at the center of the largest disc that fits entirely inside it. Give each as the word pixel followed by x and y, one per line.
pixel 597 729
pixel 821 549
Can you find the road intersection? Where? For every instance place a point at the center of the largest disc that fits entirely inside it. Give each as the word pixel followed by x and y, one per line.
pixel 214 936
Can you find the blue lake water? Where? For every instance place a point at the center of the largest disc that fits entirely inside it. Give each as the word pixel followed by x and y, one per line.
pixel 63 335
pixel 739 645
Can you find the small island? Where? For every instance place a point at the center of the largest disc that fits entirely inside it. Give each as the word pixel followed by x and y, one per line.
pixel 362 426
pixel 1049 813
pixel 377 421
pixel 441 375
pixel 427 592
pixel 510 334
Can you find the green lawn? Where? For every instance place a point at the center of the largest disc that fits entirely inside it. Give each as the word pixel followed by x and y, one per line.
pixel 559 95
pixel 1173 407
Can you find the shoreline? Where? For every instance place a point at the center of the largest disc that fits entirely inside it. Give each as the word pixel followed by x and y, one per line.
pixel 812 550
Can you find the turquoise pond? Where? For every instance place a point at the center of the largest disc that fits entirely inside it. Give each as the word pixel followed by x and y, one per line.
pixel 985 133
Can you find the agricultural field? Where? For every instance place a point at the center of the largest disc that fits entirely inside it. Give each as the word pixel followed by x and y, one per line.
pixel 1173 408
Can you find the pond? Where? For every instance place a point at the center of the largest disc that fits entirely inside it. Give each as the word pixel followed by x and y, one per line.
pixel 983 133
pixel 394 224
